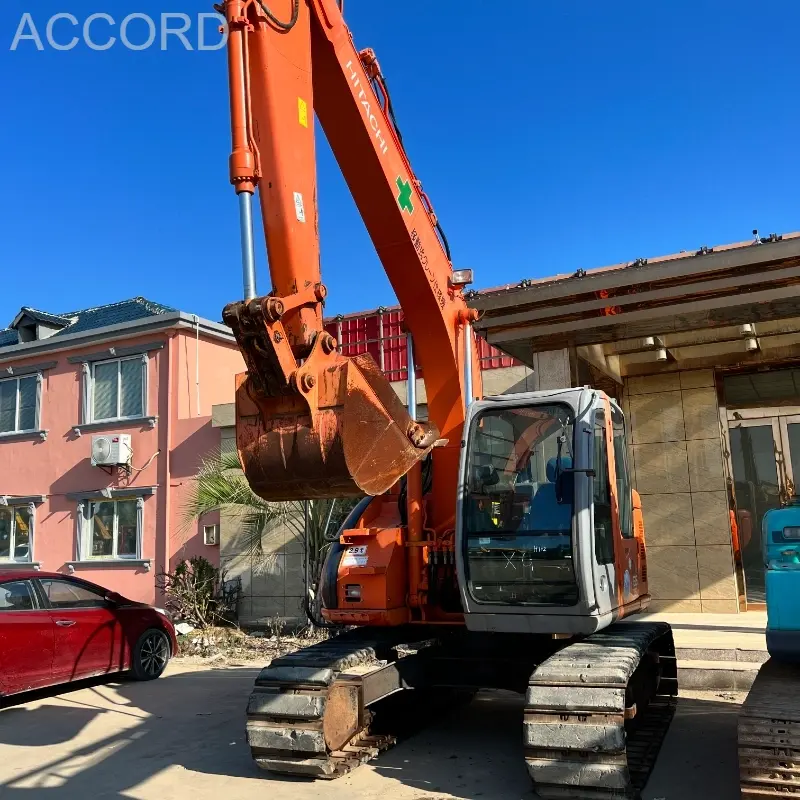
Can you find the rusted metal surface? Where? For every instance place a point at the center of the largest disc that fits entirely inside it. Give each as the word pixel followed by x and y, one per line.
pixel 769 734
pixel 284 455
pixel 323 426
pixel 381 442
pixel 343 718
pixel 305 717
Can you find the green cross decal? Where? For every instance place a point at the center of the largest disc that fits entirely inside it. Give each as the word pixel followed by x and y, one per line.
pixel 404 198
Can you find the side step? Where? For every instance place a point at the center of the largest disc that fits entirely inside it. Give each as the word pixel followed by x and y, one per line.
pixel 716 668
pixel 769 734
pixel 710 675
pixel 597 712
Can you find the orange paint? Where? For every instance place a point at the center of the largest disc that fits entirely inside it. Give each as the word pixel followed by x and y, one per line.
pixel 380 573
pixel 317 61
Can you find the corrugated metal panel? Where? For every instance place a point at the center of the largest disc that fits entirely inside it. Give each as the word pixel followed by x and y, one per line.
pixel 492 358
pixel 395 352
pixel 359 334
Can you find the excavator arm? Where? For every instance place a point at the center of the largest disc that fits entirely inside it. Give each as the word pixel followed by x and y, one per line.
pixel 311 422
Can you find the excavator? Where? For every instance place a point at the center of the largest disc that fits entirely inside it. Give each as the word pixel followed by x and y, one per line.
pixel 769 719
pixel 497 544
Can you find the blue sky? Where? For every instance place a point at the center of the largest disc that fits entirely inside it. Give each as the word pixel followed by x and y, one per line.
pixel 550 136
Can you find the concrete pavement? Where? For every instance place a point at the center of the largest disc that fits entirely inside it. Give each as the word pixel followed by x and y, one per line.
pixel 182 737
pixel 715 631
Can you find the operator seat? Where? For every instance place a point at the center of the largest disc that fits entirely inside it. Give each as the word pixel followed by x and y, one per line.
pixel 546 513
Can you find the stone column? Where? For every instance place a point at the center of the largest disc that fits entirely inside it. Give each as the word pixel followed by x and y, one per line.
pixel 677 462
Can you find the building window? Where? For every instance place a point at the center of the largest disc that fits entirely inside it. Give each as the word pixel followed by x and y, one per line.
pixel 18 404
pixel 113 529
pixel 118 389
pixel 16 528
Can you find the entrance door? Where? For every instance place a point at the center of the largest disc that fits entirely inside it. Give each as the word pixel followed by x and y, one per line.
pixel 790 438
pixel 762 479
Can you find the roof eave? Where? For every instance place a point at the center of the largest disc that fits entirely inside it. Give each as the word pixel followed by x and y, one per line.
pixel 38 316
pixel 123 330
pixel 615 277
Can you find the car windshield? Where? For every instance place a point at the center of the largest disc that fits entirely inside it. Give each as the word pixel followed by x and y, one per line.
pixel 518 507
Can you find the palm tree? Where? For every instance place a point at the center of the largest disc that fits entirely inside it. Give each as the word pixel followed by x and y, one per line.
pixel 220 485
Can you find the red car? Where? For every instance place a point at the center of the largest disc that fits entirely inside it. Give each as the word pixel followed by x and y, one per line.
pixel 56 628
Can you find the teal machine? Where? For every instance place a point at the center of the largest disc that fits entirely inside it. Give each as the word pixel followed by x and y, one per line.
pixel 781 543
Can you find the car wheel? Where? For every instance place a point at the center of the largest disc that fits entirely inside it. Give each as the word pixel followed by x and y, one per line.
pixel 151 655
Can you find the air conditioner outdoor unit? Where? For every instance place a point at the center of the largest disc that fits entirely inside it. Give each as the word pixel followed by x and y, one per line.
pixel 111 450
pixel 210 534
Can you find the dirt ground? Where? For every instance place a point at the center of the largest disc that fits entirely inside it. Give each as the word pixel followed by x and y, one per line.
pixel 183 737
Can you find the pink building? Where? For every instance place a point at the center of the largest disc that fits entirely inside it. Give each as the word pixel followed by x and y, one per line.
pixel 75 390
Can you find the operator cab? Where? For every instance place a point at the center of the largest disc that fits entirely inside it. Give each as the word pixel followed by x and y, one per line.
pixel 546 539
pixel 518 507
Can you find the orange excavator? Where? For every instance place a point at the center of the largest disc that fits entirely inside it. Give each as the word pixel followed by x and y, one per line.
pixel 498 544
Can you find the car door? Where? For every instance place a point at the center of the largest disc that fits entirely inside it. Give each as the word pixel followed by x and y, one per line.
pixel 27 639
pixel 88 638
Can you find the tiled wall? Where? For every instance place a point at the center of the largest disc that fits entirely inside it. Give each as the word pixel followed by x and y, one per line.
pixel 677 465
pixel 272 584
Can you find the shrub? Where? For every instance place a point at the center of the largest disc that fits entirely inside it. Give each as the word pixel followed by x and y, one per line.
pixel 194 593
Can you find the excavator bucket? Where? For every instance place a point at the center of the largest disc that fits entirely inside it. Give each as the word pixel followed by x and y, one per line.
pixel 359 440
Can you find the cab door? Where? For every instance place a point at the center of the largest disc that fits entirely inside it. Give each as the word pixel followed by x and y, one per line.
pixel 629 558
pixel 617 560
pixel 605 572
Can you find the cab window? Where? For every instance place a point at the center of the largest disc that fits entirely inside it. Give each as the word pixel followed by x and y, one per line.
pixel 603 528
pixel 623 474
pixel 518 506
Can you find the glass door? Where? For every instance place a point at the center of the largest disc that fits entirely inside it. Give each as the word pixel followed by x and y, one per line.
pixel 760 483
pixel 790 438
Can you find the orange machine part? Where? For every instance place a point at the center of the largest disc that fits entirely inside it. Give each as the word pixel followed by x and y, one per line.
pixel 638 532
pixel 378 566
pixel 295 442
pixel 355 441
pixel 281 106
pixel 745 528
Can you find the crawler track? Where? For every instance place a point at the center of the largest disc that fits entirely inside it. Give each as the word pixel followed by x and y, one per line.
pixel 595 716
pixel 597 711
pixel 288 729
pixel 769 734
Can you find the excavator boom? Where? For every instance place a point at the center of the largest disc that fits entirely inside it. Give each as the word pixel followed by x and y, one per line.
pixel 311 422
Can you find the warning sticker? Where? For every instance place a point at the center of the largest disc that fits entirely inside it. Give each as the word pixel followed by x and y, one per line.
pixel 299 209
pixel 302 112
pixel 355 556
